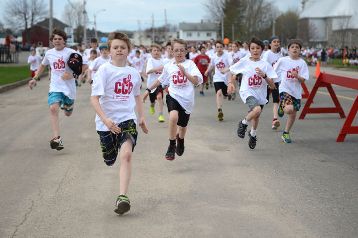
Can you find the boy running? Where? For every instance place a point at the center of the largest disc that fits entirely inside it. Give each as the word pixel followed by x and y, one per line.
pixel 256 75
pixel 115 95
pixel 292 71
pixel 182 76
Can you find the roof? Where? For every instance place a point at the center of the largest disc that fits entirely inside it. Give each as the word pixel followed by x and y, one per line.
pixel 329 8
pixel 56 23
pixel 341 9
pixel 202 26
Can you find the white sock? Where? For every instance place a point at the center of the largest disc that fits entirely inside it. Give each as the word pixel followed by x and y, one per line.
pixel 244 121
pixel 253 132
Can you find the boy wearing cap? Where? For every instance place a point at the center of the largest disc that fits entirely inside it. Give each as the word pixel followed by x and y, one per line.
pixel 62 91
pixel 94 66
pixel 271 56
pixel 292 71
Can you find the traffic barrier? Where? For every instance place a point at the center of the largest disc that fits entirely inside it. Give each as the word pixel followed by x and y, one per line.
pixel 326 80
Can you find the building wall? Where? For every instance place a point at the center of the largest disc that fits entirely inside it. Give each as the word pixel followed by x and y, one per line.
pixel 197 35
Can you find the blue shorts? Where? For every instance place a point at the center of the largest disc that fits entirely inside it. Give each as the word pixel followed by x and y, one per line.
pixel 65 102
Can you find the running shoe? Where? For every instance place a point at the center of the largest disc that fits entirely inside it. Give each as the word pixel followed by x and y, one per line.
pixel 170 155
pixel 220 115
pixel 151 110
pixel 252 141
pixel 286 137
pixel 123 205
pixel 161 118
pixel 241 130
pixel 180 146
pixel 56 143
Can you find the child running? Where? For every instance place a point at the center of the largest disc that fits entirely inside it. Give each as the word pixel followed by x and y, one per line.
pixel 34 61
pixel 256 75
pixel 292 71
pixel 62 91
pixel 202 61
pixel 153 70
pixel 182 76
pixel 115 95
pixel 97 62
pixel 271 56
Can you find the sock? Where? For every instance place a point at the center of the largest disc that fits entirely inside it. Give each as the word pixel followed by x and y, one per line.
pixel 244 121
pixel 253 132
pixel 172 142
pixel 220 110
pixel 285 132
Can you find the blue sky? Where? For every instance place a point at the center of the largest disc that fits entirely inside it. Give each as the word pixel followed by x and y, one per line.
pixel 125 14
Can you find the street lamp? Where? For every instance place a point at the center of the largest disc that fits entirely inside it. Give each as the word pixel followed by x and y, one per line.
pixel 95 23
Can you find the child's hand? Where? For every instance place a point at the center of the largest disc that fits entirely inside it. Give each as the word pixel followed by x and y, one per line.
pixel 260 72
pixel 181 68
pixel 67 76
pixel 231 88
pixel 32 83
pixel 112 126
pixel 143 125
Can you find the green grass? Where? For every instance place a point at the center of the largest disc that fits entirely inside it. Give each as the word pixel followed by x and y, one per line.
pixel 13 74
pixel 339 64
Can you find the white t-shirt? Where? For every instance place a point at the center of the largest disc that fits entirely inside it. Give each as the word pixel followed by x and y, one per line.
pixel 252 84
pixel 96 63
pixel 117 87
pixel 137 63
pixel 151 64
pixel 180 88
pixel 284 67
pixel 87 54
pixel 271 58
pixel 57 59
pixel 34 61
pixel 220 62
pixel 236 56
pixel 192 55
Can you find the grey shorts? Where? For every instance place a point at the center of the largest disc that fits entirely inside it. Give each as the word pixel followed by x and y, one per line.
pixel 252 102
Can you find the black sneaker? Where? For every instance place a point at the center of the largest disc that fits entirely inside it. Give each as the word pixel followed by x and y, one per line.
pixel 180 146
pixel 123 205
pixel 220 115
pixel 241 130
pixel 56 143
pixel 252 141
pixel 170 155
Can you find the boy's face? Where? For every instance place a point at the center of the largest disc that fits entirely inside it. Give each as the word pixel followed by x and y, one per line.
pixel 294 50
pixel 179 52
pixel 234 47
pixel 255 50
pixel 275 44
pixel 93 56
pixel 203 50
pixel 219 48
pixel 58 42
pixel 170 51
pixel 119 50
pixel 105 52
pixel 93 45
pixel 33 52
pixel 156 53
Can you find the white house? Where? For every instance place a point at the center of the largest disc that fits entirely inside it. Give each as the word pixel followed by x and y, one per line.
pixel 329 22
pixel 197 32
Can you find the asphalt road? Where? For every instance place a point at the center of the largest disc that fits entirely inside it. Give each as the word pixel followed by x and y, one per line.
pixel 218 188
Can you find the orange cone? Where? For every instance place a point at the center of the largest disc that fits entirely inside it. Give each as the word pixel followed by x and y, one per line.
pixel 318 69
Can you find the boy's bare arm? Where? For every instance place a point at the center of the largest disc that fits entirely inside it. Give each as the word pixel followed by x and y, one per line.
pixel 107 121
pixel 141 120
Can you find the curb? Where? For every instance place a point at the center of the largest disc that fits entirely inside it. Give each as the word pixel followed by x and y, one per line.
pixel 10 86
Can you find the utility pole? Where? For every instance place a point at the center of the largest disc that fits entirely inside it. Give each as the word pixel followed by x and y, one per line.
pixel 50 21
pixel 222 28
pixel 139 32
pixel 84 23
pixel 152 28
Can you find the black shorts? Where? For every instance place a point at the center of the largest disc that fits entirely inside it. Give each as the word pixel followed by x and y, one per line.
pixel 221 86
pixel 275 94
pixel 111 143
pixel 153 96
pixel 174 105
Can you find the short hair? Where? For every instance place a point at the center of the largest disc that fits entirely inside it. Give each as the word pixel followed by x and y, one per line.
pixel 179 41
pixel 295 41
pixel 137 51
pixel 257 42
pixel 119 36
pixel 94 40
pixel 202 47
pixel 169 43
pixel 219 42
pixel 93 51
pixel 155 46
pixel 58 32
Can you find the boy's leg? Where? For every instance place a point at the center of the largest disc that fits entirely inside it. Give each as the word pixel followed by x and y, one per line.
pixel 125 157
pixel 54 111
pixel 254 113
pixel 160 105
pixel 173 120
pixel 291 113
pixel 219 99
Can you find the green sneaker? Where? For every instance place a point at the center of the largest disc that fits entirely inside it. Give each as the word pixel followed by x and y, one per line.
pixel 151 110
pixel 161 118
pixel 286 137
pixel 123 205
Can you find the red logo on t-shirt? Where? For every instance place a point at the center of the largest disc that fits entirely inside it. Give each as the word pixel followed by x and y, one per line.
pixel 289 72
pixel 220 65
pixel 255 81
pixel 60 64
pixel 179 78
pixel 124 86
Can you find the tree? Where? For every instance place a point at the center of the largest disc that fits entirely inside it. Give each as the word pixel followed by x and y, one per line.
pixel 286 26
pixel 24 14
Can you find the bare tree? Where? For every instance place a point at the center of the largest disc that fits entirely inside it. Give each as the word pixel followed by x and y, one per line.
pixel 215 9
pixel 72 14
pixel 24 13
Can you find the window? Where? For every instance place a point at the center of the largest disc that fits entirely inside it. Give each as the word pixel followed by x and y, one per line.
pixel 188 34
pixel 208 34
pixel 198 33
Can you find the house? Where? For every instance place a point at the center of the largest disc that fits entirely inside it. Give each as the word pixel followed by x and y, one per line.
pixel 198 32
pixel 39 33
pixel 329 23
